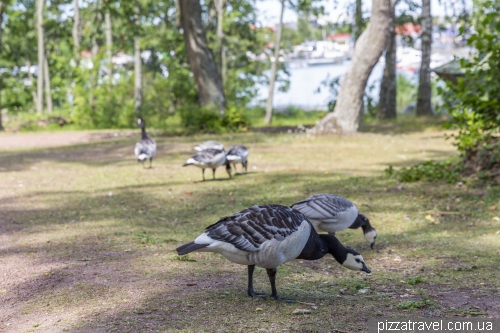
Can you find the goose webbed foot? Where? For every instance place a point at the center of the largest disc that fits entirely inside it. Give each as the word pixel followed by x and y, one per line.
pixel 283 299
pixel 252 293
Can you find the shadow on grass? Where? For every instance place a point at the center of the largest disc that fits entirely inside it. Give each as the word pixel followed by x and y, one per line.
pixel 103 250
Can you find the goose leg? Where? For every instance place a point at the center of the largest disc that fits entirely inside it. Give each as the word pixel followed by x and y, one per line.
pixel 213 174
pixel 271 272
pixel 151 163
pixel 251 292
pixel 203 174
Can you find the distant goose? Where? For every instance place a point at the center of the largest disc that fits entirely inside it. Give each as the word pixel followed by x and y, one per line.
pixel 238 154
pixel 331 213
pixel 209 159
pixel 268 236
pixel 210 144
pixel 146 147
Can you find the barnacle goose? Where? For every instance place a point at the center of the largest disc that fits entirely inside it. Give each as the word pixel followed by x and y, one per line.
pixel 210 144
pixel 238 154
pixel 209 158
pixel 331 213
pixel 268 236
pixel 146 147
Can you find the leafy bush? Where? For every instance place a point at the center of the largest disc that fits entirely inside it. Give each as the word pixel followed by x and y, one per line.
pixel 210 120
pixel 430 171
pixel 474 100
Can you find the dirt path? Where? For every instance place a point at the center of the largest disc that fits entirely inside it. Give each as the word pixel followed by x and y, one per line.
pixel 10 141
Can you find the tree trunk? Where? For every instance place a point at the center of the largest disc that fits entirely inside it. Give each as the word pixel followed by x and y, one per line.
pixel 358 25
pixel 387 101
pixel 32 80
pixel 109 46
pixel 424 107
pixel 76 30
pixel 200 56
pixel 274 68
pixel 220 4
pixel 2 9
pixel 41 54
pixel 369 47
pixel 46 78
pixel 138 76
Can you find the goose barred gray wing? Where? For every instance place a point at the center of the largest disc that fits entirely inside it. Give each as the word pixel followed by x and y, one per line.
pixel 206 156
pixel 249 229
pixel 210 144
pixel 324 207
pixel 241 151
pixel 144 149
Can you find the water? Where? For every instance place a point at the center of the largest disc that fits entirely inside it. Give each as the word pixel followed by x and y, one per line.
pixel 305 81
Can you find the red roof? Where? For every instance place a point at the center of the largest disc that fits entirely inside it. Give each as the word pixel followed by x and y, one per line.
pixel 339 37
pixel 408 29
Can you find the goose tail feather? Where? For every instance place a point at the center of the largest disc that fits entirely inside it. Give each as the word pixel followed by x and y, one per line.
pixel 189 247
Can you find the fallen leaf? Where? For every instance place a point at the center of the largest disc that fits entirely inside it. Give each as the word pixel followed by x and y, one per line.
pixel 493 207
pixel 3 291
pixel 47 274
pixel 496 218
pixel 430 218
pixel 258 309
pixel 301 311
pixel 189 192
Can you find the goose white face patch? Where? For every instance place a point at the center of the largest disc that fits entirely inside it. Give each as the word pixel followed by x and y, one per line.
pixel 370 236
pixel 354 262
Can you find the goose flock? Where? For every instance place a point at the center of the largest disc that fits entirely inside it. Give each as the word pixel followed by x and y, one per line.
pixel 270 235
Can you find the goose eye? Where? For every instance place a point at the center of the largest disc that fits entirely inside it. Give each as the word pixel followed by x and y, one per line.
pixel 357 260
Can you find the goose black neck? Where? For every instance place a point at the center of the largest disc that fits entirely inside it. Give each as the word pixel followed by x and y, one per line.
pixel 144 135
pixel 315 248
pixel 335 248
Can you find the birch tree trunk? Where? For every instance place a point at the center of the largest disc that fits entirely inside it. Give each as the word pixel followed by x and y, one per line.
pixel 274 68
pixel 32 80
pixel 76 30
pixel 46 78
pixel 220 4
pixel 41 54
pixel 424 107
pixel 2 9
pixel 358 20
pixel 387 100
pixel 369 47
pixel 138 76
pixel 109 46
pixel 201 60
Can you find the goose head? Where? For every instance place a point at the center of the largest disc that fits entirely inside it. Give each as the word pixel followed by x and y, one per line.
pixel 355 261
pixel 370 233
pixel 346 257
pixel 140 122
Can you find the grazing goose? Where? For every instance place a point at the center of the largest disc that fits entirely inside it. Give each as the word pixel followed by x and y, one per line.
pixel 268 236
pixel 331 213
pixel 209 158
pixel 146 147
pixel 210 144
pixel 237 154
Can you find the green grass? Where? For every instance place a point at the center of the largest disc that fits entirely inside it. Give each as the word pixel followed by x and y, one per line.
pixel 87 237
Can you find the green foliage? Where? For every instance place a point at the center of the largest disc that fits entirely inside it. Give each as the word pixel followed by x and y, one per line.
pixel 406 92
pixel 425 302
pixel 210 120
pixel 184 257
pixel 474 101
pixel 416 280
pixel 429 171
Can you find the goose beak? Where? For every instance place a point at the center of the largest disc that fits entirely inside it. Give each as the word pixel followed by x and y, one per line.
pixel 372 245
pixel 365 268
